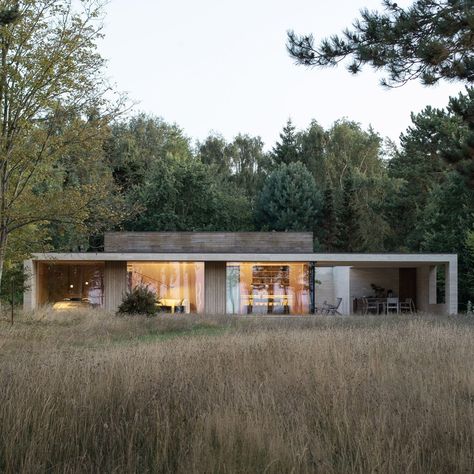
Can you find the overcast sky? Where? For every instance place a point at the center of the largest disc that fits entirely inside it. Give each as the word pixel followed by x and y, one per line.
pixel 221 65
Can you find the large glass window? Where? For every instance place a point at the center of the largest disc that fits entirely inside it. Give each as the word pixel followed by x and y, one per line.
pixel 67 286
pixel 267 288
pixel 179 286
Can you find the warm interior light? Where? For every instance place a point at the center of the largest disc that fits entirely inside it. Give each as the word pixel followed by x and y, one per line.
pixel 71 286
pixel 87 282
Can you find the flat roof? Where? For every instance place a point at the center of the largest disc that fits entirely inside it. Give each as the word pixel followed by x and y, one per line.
pixel 321 259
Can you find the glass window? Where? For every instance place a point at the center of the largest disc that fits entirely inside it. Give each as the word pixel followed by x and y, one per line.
pixel 179 286
pixel 67 285
pixel 267 288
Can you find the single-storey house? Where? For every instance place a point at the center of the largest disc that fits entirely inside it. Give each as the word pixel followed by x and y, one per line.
pixel 241 273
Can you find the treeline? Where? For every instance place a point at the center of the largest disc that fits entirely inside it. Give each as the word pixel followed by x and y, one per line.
pixel 354 190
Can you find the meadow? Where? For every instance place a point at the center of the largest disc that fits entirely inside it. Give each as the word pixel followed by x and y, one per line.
pixel 92 392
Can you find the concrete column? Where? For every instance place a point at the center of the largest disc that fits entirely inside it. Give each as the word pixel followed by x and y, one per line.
pixel 451 286
pixel 342 288
pixel 115 284
pixel 433 283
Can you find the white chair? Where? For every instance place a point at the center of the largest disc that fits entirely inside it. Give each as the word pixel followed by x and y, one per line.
pixel 392 305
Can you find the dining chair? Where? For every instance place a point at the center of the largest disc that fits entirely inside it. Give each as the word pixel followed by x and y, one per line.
pixel 392 305
pixel 407 306
pixel 370 305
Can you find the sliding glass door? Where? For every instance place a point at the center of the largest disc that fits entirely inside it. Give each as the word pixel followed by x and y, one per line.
pixel 267 288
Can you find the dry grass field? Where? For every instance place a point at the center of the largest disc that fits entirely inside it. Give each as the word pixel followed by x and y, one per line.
pixel 91 392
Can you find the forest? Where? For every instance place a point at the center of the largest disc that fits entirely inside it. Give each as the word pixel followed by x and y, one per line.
pixel 75 163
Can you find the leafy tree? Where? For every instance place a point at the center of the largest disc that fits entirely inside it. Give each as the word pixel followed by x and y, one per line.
pixel 430 40
pixel 287 150
pixel 348 219
pixel 328 230
pixel 135 144
pixel 348 149
pixel 312 149
pixel 289 200
pixel 215 153
pixel 49 69
pixel 249 164
pixel 183 195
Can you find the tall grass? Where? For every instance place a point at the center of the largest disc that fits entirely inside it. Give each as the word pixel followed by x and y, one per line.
pixel 96 393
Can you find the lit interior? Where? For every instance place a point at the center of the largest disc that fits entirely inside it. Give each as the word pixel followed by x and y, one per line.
pixel 179 286
pixel 66 285
pixel 267 288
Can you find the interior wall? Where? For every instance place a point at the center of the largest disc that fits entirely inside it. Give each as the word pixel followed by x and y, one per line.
pixel 362 278
pixel 324 289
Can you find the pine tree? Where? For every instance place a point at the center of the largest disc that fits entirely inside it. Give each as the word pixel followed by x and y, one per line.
pixel 429 40
pixel 286 150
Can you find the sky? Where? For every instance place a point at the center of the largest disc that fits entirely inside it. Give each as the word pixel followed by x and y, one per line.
pixel 221 66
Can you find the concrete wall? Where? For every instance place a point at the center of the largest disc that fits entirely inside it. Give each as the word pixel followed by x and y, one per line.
pixel 426 289
pixel 115 284
pixel 342 288
pixel 325 290
pixel 182 242
pixel 215 287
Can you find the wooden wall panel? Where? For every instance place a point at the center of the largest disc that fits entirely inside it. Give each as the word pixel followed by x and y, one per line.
pixel 215 287
pixel 115 284
pixel 209 242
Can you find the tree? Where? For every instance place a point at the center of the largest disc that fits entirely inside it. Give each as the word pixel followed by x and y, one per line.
pixel 52 98
pixel 348 219
pixel 311 151
pixel 289 200
pixel 460 153
pixel 445 225
pixel 184 196
pixel 286 150
pixel 429 41
pixel 215 152
pixel 417 168
pixel 329 225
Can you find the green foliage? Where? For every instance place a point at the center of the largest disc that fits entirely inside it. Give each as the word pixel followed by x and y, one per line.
pixel 54 112
pixel 140 300
pixel 183 195
pixel 287 150
pixel 289 200
pixel 348 220
pixel 328 231
pixel 429 40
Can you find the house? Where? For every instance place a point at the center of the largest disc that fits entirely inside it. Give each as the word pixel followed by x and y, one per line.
pixel 238 273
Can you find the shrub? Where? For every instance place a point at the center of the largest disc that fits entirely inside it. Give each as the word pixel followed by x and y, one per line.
pixel 140 300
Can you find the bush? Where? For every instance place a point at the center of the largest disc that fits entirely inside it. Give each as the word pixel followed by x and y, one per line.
pixel 141 300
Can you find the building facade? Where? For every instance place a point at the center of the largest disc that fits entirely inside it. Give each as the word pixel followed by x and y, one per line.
pixel 238 273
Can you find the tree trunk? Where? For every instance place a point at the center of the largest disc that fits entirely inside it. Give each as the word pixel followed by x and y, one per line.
pixel 3 248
